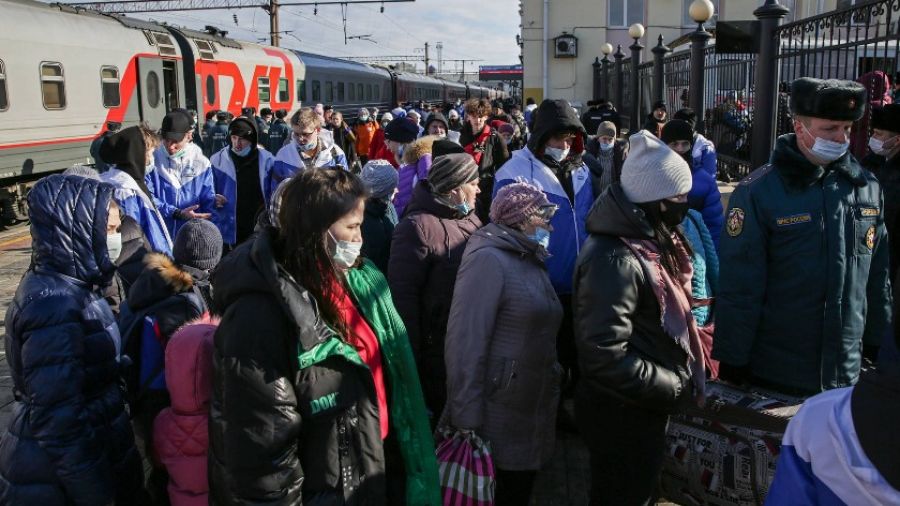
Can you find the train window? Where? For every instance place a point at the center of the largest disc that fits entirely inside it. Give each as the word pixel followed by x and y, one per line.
pixel 109 84
pixel 377 93
pixel 359 92
pixel 301 90
pixel 329 92
pixel 262 83
pixel 210 90
pixel 368 92
pixel 4 98
pixel 153 95
pixel 340 92
pixel 316 91
pixel 53 85
pixel 284 92
pixel 351 92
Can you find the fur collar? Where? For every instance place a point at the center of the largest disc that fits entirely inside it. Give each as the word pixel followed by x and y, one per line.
pixel 165 267
pixel 798 172
pixel 417 149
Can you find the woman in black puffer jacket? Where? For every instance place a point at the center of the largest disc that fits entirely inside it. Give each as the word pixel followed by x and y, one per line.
pixel 69 440
pixel 634 272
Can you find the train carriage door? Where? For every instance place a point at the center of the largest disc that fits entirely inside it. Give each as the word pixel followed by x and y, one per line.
pixel 151 91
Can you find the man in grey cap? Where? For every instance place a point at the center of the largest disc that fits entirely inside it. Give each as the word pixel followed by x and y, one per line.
pixel 804 259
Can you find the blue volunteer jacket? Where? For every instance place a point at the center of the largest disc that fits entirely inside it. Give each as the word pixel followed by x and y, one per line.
pixel 568 223
pixel 226 185
pixel 288 162
pixel 136 204
pixel 178 183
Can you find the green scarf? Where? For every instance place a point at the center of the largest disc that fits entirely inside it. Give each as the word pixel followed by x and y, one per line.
pixel 408 414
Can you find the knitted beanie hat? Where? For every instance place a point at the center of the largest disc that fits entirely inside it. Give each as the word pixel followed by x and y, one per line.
pixel 451 171
pixel 677 130
pixel 198 244
pixel 401 130
pixel 380 177
pixel 515 202
pixel 652 171
pixel 607 128
pixel 506 128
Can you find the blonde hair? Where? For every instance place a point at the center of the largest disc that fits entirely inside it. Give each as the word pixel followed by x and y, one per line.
pixel 151 139
pixel 306 117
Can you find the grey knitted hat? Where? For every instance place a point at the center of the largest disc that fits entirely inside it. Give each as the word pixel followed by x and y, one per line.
pixel 607 128
pixel 380 177
pixel 652 171
pixel 198 244
pixel 451 171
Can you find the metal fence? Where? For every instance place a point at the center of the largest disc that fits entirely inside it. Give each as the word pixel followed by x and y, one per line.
pixel 860 42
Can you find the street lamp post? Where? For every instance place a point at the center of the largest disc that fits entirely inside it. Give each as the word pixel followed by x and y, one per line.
pixel 620 76
pixel 606 49
pixel 659 52
pixel 700 11
pixel 635 31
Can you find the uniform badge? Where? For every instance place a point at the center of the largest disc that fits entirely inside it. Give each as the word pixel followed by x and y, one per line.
pixel 870 237
pixel 735 222
pixel 852 103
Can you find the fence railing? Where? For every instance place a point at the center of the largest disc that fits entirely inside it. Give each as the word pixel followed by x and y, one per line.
pixel 744 101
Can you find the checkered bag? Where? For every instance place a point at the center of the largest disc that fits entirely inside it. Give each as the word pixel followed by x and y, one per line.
pixel 466 469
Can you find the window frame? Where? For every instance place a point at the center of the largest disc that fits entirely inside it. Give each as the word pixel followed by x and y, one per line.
pixel 340 92
pixel 316 91
pixel 351 92
pixel 625 14
pixel 3 86
pixel 369 92
pixel 260 87
pixel 284 86
pixel 61 78
pixel 110 80
pixel 329 92
pixel 360 92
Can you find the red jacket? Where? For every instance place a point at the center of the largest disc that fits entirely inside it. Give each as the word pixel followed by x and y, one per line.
pixel 378 149
pixel 180 434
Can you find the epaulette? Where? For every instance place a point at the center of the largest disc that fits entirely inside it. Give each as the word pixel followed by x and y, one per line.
pixel 756 175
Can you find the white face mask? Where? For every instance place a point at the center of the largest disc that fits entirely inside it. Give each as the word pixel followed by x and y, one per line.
pixel 877 146
pixel 827 150
pixel 558 154
pixel 345 252
pixel 606 146
pixel 114 246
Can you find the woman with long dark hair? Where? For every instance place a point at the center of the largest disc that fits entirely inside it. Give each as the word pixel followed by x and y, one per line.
pixel 638 345
pixel 316 397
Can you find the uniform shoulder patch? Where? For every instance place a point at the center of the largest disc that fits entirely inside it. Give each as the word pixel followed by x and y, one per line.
pixel 756 175
pixel 734 224
pixel 870 237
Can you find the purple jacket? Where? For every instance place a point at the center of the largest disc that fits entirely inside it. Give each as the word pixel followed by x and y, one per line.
pixel 416 162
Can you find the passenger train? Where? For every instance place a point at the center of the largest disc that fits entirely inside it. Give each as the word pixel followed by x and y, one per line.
pixel 65 72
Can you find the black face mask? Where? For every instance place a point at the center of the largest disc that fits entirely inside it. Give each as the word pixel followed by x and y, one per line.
pixel 674 214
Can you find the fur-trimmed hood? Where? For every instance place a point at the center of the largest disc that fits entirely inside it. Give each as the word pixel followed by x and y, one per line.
pixel 417 149
pixel 161 278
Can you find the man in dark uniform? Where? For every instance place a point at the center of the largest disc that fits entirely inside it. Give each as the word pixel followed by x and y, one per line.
pixel 804 260
pixel 218 134
pixel 882 160
pixel 600 110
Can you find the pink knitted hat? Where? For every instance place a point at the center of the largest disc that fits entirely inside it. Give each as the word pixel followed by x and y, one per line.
pixel 515 202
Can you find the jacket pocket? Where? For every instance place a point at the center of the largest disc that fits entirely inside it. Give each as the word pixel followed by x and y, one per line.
pixel 501 373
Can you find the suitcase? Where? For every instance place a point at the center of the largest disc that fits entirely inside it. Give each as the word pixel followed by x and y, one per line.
pixel 725 453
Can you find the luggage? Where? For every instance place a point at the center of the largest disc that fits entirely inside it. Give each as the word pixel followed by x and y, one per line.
pixel 725 453
pixel 466 469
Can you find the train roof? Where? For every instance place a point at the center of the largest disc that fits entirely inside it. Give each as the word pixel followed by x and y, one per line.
pixel 409 76
pixel 196 34
pixel 327 62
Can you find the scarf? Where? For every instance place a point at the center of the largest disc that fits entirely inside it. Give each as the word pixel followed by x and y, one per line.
pixel 476 148
pixel 407 405
pixel 607 161
pixel 674 297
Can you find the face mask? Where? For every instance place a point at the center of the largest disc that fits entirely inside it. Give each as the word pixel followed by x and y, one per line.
pixel 180 153
pixel 464 208
pixel 541 236
pixel 675 213
pixel 114 246
pixel 558 154
pixel 606 147
pixel 827 150
pixel 309 146
pixel 345 252
pixel 877 146
pixel 242 152
pixel 507 141
pixel 364 118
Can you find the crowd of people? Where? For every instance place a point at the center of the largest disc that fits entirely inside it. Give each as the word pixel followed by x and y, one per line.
pixel 285 311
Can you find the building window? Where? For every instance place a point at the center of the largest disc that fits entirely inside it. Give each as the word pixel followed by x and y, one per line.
pixel 340 93
pixel 688 22
pixel 625 12
pixel 329 92
pixel 4 98
pixel 262 85
pixel 109 83
pixel 53 85
pixel 316 91
pixel 284 92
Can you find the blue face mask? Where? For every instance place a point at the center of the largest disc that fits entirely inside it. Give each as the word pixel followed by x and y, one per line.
pixel 309 146
pixel 541 236
pixel 241 152
pixel 606 147
pixel 464 208
pixel 826 149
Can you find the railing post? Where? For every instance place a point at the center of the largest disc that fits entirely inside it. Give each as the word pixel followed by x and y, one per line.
pixel 659 52
pixel 698 37
pixel 620 77
pixel 605 85
pixel 767 79
pixel 597 78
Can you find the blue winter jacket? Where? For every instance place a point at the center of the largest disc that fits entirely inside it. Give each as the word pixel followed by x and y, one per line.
pixel 178 183
pixel 704 155
pixel 226 185
pixel 136 204
pixel 705 262
pixel 69 440
pixel 568 223
pixel 288 161
pixel 706 198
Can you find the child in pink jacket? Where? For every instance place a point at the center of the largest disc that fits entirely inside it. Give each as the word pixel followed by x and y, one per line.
pixel 180 435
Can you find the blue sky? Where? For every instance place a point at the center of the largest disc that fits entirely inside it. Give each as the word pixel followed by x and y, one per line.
pixel 476 29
